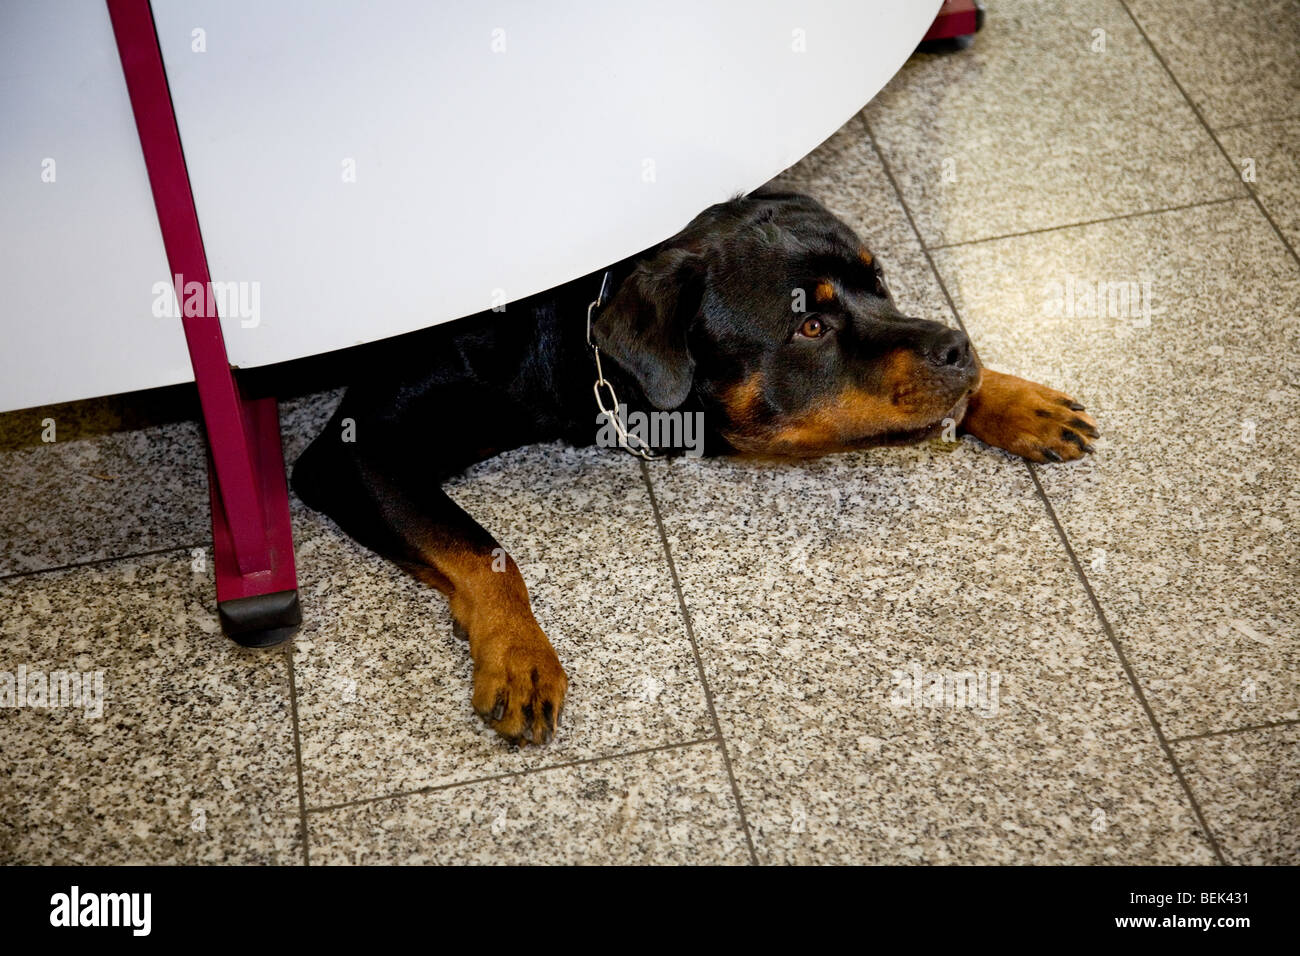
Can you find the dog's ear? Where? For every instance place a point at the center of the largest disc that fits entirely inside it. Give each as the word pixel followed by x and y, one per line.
pixel 644 326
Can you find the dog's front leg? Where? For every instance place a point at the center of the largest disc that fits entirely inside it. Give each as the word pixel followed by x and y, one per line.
pixel 519 684
pixel 1027 419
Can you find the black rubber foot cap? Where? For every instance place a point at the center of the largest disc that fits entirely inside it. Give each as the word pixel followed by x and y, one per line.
pixel 946 44
pixel 263 620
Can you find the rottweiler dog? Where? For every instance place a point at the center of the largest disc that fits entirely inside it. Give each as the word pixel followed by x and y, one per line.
pixel 766 318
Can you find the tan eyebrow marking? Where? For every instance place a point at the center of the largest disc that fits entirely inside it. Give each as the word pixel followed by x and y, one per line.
pixel 824 292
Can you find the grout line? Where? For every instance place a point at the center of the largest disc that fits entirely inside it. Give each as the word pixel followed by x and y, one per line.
pixel 401 794
pixel 1124 663
pixel 889 174
pixel 297 753
pixel 1238 730
pixel 699 663
pixel 1272 121
pixel 98 561
pixel 1092 222
pixel 1051 512
pixel 1226 155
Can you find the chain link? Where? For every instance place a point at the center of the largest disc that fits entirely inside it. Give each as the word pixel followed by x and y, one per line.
pixel 642 449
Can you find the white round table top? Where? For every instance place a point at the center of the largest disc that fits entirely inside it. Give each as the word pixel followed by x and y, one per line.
pixel 364 170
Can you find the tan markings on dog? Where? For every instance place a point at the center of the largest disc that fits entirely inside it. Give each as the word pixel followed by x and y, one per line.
pixel 742 399
pixel 1028 419
pixel 865 257
pixel 519 684
pixel 824 292
pixel 902 404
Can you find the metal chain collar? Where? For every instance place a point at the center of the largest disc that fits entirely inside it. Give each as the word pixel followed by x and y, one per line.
pixel 641 449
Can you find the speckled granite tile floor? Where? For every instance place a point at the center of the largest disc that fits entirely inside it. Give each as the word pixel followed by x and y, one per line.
pixel 750 644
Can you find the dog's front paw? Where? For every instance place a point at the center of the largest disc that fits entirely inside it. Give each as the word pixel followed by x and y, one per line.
pixel 519 686
pixel 1027 419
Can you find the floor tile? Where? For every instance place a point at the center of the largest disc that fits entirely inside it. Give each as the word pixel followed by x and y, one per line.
pixel 191 759
pixel 123 475
pixel 1274 152
pixel 1029 128
pixel 670 806
pixel 818 590
pixel 1185 517
pixel 384 685
pixel 1237 61
pixel 1249 787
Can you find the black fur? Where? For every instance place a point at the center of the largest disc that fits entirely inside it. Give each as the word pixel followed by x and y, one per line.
pixel 686 320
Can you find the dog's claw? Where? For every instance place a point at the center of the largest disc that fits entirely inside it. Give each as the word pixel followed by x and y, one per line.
pixel 1051 455
pixel 1076 407
pixel 1080 425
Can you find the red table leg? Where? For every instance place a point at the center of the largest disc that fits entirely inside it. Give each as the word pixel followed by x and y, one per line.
pixel 257 588
pixel 957 18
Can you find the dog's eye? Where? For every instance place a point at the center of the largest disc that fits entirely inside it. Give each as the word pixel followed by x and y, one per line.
pixel 812 328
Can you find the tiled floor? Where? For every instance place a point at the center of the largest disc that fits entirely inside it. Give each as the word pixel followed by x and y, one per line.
pixel 740 637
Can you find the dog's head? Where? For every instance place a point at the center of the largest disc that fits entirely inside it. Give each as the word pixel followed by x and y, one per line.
pixel 772 313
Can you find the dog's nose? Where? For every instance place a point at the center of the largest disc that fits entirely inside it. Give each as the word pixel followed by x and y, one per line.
pixel 950 349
